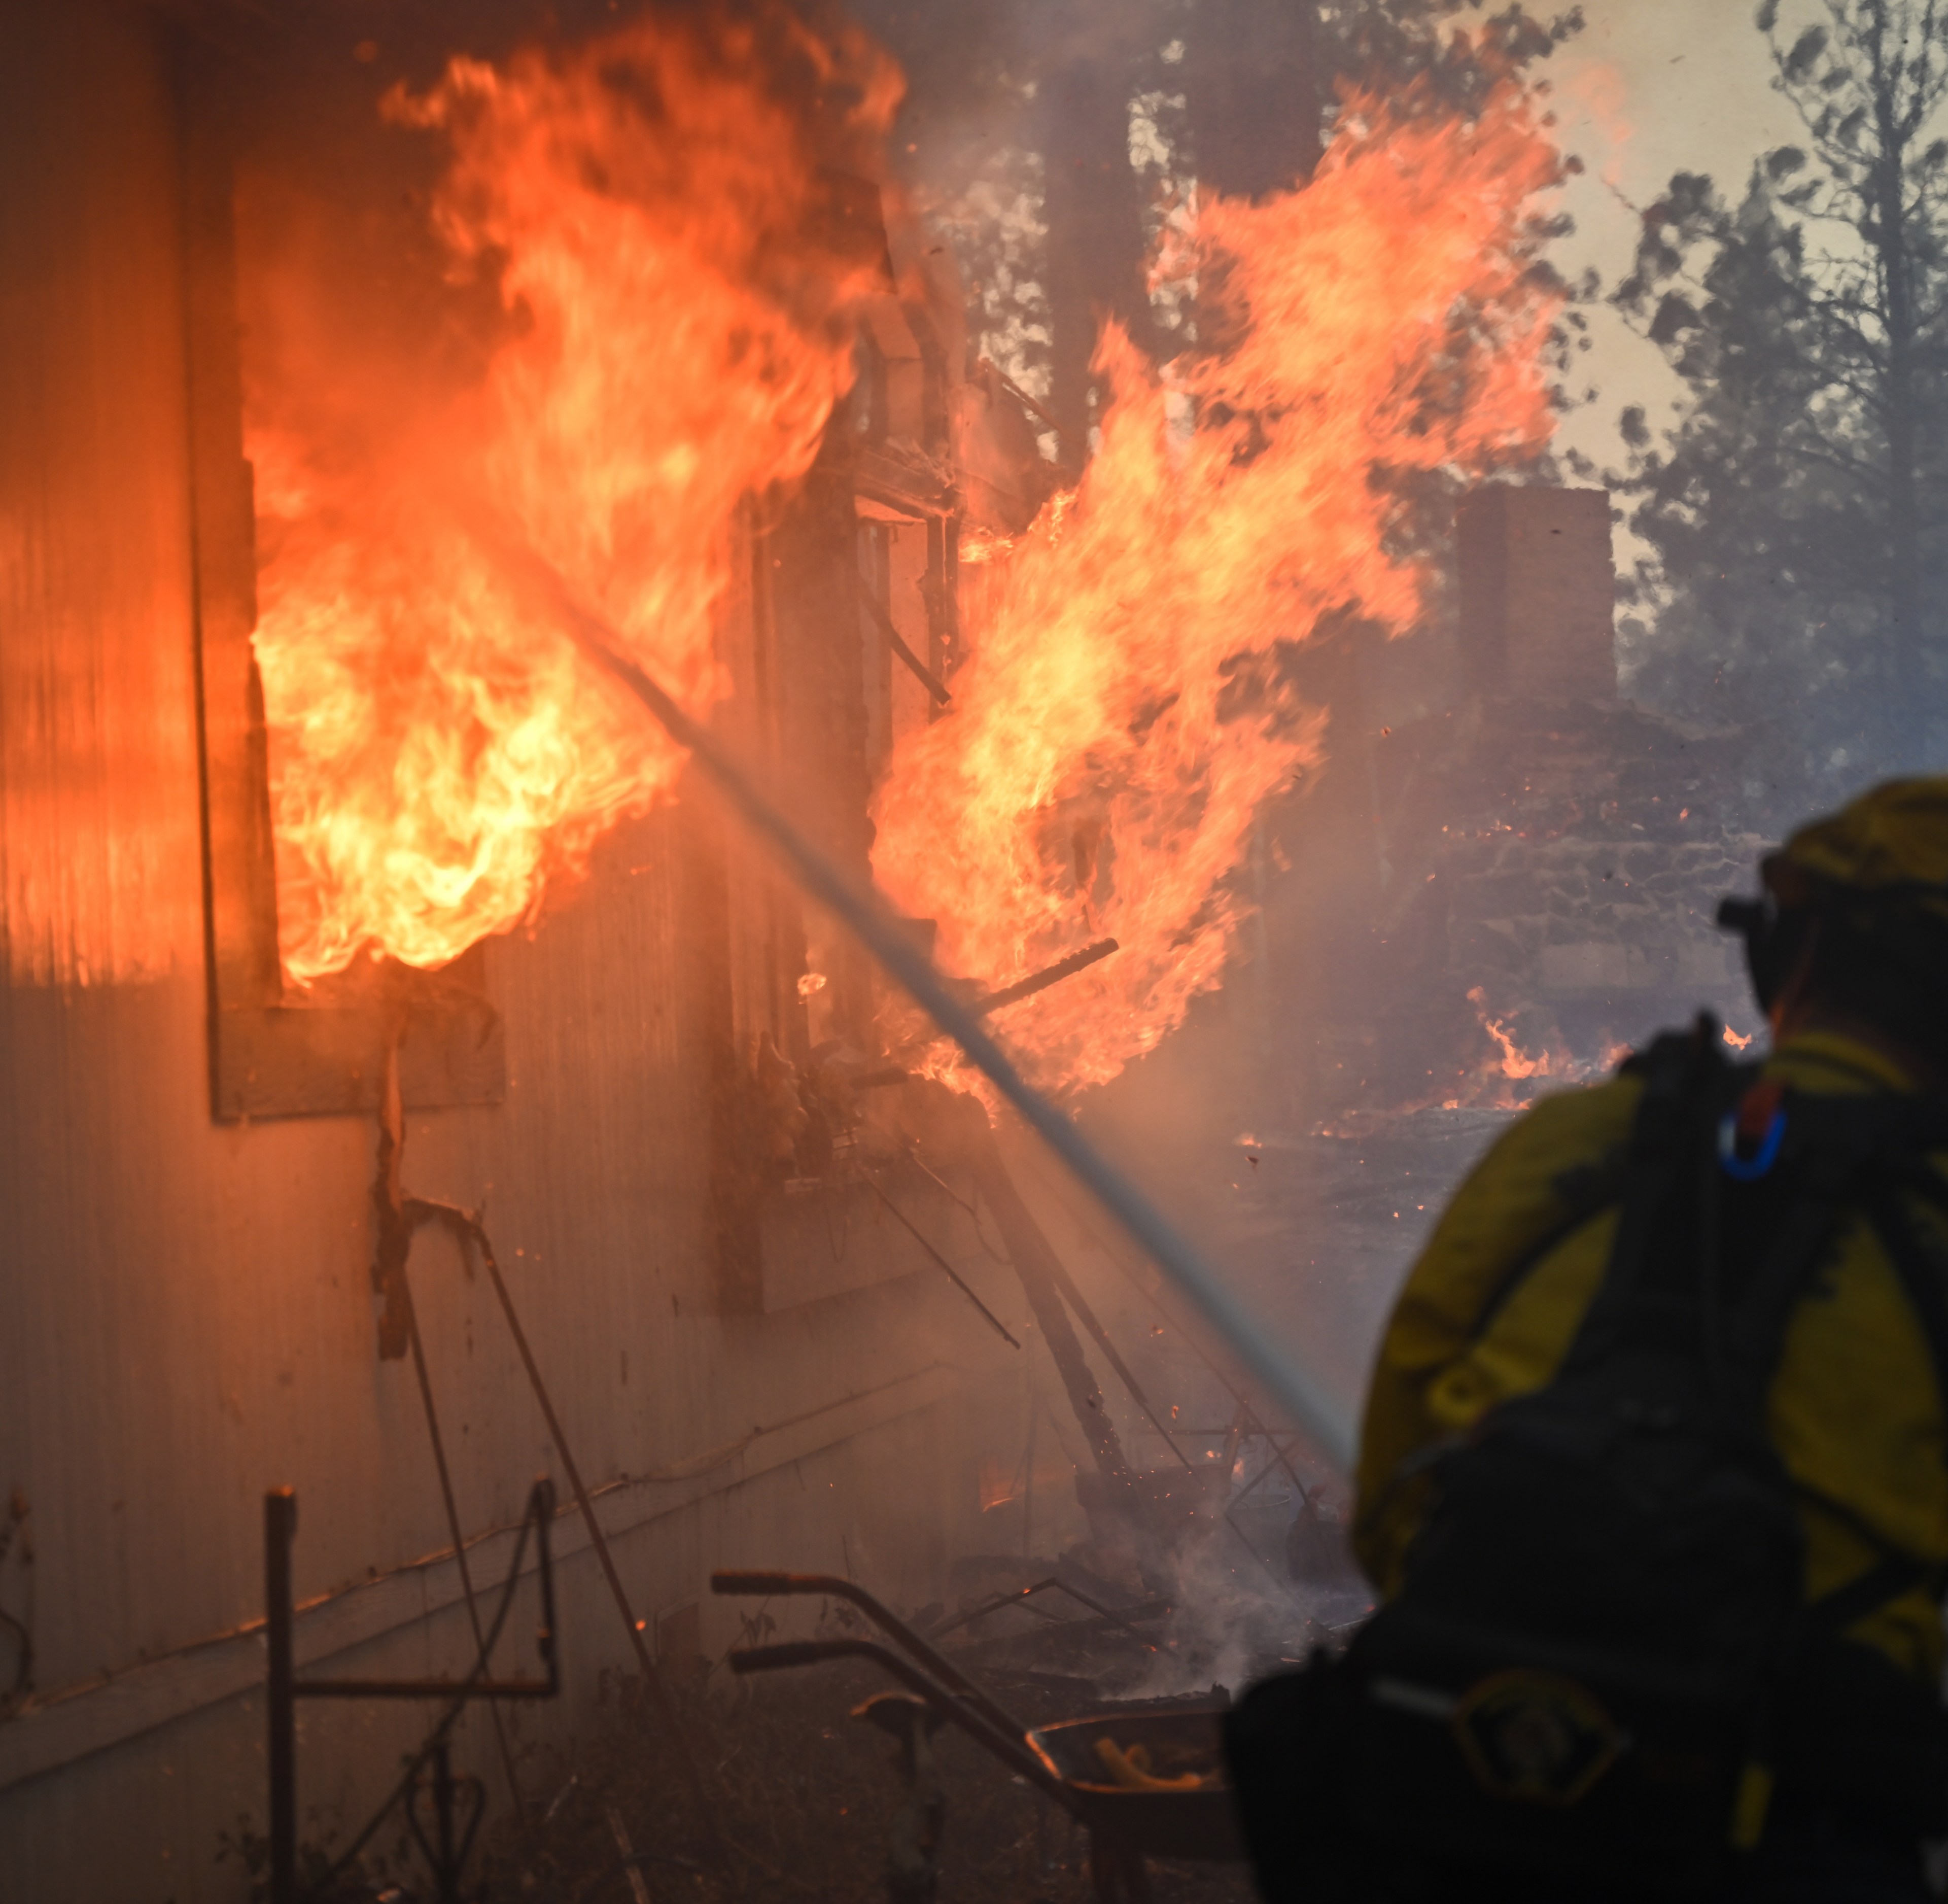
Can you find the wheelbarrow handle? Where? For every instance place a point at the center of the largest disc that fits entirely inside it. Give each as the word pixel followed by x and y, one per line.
pixel 759 1580
pixel 796 1652
pixel 1009 1747
pixel 832 1586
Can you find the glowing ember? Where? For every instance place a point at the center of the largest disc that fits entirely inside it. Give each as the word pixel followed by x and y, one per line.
pixel 1121 719
pixel 998 1485
pixel 1489 1087
pixel 1516 1064
pixel 650 210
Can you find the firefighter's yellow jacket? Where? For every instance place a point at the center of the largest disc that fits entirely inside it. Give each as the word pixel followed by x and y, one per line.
pixel 1854 1411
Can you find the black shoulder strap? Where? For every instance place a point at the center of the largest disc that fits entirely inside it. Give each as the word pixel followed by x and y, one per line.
pixel 1686 1076
pixel 1863 1154
pixel 1889 1577
pixel 1923 1277
pixel 1842 1155
pixel 1846 1154
pixel 1930 1186
pixel 1885 1155
pixel 1871 1152
pixel 1755 1334
pixel 1587 1196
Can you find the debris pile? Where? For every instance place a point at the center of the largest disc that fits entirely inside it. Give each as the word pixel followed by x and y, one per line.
pixel 1541 880
pixel 1579 852
pixel 804 1803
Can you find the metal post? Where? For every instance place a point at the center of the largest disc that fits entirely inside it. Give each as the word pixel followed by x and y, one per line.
pixel 449 1854
pixel 281 1523
pixel 943 617
pixel 541 1504
pixel 442 1801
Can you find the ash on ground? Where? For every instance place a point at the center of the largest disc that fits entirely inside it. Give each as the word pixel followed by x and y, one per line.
pixel 801 1798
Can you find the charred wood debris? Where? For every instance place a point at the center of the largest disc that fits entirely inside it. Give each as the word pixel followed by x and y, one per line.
pixel 806 1795
pixel 701 1783
pixel 808 1799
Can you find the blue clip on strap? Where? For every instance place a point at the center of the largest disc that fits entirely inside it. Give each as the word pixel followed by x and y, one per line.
pixel 1749 1170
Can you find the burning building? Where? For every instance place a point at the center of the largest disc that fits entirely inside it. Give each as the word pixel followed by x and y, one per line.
pixel 734 1311
pixel 418 1080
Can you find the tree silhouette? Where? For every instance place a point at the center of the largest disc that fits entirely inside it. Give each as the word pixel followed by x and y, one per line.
pixel 1796 510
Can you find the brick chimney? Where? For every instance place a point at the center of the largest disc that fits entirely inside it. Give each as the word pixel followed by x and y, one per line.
pixel 1537 592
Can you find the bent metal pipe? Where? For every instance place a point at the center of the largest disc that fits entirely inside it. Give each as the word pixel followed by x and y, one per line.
pixel 1306 1401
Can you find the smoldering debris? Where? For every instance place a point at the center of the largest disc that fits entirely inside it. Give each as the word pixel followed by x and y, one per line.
pixel 1031 1625
pixel 804 1803
pixel 714 1785
pixel 796 1799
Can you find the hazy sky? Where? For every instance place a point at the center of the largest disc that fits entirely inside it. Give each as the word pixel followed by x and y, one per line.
pixel 1650 87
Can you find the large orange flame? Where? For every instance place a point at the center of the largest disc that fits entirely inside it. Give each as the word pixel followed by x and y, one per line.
pixel 1120 723
pixel 651 210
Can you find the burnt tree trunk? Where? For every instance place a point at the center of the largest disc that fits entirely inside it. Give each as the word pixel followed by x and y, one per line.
pixel 1093 202
pixel 1907 670
pixel 1252 82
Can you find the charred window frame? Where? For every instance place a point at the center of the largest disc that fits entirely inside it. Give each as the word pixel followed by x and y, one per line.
pixel 794 1228
pixel 809 640
pixel 272 1054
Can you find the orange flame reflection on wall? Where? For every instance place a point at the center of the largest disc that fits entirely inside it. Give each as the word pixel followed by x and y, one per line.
pixel 1118 723
pixel 649 208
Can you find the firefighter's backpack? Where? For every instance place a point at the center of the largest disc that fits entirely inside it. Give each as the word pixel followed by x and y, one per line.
pixel 1600 1667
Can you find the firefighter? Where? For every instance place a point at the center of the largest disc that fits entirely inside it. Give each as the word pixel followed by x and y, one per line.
pixel 1653 1483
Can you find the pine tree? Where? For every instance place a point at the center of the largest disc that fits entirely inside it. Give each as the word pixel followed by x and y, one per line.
pixel 1798 512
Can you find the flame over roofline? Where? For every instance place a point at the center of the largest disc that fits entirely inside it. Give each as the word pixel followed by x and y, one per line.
pixel 1320 1415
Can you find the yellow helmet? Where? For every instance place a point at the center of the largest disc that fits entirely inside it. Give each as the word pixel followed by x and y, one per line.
pixel 1873 876
pixel 1893 840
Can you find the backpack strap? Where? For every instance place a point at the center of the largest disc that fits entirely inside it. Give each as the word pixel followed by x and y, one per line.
pixel 1894 1573
pixel 1924 1278
pixel 1754 1336
pixel 1867 1154
pixel 1865 1157
pixel 1686 1074
pixel 1886 1579
pixel 1834 1150
pixel 1586 1196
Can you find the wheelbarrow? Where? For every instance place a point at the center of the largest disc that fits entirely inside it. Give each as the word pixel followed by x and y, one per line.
pixel 1196 1823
